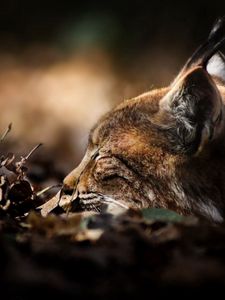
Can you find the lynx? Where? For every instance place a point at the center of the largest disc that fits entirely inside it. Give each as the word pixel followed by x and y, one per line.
pixel 164 148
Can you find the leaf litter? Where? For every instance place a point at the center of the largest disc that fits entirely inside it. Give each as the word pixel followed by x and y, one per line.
pixel 49 248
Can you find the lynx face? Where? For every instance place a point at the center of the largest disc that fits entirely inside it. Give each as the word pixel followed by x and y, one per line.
pixel 164 148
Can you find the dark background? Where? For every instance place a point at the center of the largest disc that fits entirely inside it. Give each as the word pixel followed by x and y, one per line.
pixel 127 27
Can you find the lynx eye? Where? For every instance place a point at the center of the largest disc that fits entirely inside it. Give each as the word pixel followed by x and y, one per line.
pixel 107 177
pixel 110 168
pixel 105 173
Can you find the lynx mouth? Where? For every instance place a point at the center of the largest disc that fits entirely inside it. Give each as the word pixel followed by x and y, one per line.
pixel 90 202
pixel 101 203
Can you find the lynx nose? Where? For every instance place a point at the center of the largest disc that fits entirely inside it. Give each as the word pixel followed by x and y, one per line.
pixel 70 180
pixel 66 190
pixel 70 185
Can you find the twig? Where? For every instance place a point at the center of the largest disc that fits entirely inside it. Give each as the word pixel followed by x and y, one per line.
pixel 6 132
pixel 31 152
pixel 20 164
pixel 24 159
pixel 47 189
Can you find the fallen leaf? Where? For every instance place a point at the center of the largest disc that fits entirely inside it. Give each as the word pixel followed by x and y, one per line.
pixel 47 207
pixel 161 214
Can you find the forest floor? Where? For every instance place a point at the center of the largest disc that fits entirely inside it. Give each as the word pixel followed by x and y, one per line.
pixel 85 254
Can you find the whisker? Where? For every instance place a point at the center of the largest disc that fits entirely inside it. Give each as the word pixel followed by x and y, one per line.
pixel 96 208
pixel 108 199
pixel 88 196
pixel 93 201
pixel 90 201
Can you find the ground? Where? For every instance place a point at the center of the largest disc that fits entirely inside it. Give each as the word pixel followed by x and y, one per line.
pixel 81 254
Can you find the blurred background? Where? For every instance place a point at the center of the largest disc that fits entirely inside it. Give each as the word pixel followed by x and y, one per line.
pixel 62 65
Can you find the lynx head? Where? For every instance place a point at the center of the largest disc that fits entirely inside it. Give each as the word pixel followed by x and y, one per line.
pixel 162 148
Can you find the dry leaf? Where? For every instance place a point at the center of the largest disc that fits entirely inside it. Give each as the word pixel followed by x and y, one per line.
pixel 47 207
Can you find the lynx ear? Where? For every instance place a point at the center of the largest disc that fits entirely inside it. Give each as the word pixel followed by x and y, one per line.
pixel 191 111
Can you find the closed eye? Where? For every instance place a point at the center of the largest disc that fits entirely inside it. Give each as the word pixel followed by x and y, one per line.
pixel 112 176
pixel 110 167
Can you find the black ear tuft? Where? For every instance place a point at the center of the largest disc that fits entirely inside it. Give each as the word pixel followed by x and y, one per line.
pixel 212 45
pixel 215 40
pixel 218 30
